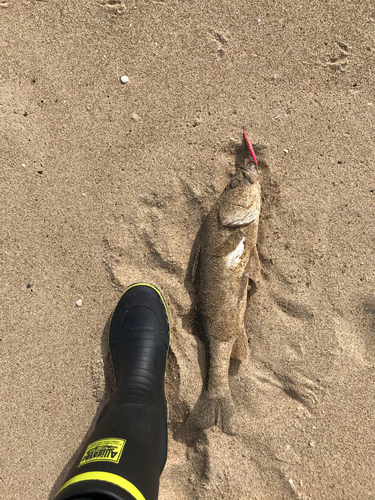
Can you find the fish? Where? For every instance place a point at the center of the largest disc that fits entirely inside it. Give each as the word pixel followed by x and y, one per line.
pixel 225 270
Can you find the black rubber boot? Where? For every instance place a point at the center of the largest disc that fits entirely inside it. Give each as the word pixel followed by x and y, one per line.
pixel 127 451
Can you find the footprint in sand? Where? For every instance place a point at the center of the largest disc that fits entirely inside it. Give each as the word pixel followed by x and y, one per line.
pixel 338 61
pixel 114 6
pixel 295 385
pixel 221 42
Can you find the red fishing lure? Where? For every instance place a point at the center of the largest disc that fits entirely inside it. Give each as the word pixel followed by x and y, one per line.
pixel 247 140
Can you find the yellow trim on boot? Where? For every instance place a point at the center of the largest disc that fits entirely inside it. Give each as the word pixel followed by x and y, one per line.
pixel 110 478
pixel 157 291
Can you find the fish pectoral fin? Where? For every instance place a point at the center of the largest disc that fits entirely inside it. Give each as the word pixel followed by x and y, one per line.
pixel 229 245
pixel 252 269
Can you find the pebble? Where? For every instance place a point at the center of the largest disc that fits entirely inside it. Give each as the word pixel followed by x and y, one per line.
pixel 124 79
pixel 79 303
pixel 136 118
pixel 23 165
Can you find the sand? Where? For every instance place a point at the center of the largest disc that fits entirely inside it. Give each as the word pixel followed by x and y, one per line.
pixel 116 181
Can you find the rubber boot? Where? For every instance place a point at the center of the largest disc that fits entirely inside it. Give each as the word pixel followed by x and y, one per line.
pixel 127 451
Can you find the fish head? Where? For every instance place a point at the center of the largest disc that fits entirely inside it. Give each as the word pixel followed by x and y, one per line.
pixel 249 171
pixel 239 204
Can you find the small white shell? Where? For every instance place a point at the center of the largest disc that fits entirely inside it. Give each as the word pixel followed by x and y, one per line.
pixel 79 303
pixel 124 79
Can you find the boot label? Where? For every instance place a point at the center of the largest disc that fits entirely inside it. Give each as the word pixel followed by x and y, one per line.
pixel 108 450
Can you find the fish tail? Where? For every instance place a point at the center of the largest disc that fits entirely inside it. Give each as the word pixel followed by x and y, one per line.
pixel 211 410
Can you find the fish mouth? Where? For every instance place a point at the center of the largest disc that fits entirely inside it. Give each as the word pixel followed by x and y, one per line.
pixel 250 174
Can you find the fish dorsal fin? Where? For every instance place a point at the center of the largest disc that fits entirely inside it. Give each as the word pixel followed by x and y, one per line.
pixel 195 261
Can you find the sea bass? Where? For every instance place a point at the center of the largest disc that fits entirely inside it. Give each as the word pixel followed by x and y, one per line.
pixel 227 262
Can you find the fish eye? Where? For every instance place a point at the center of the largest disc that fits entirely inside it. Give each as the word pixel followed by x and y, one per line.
pixel 234 183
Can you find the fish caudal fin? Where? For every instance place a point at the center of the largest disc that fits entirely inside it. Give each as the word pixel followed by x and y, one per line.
pixel 212 410
pixel 240 347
